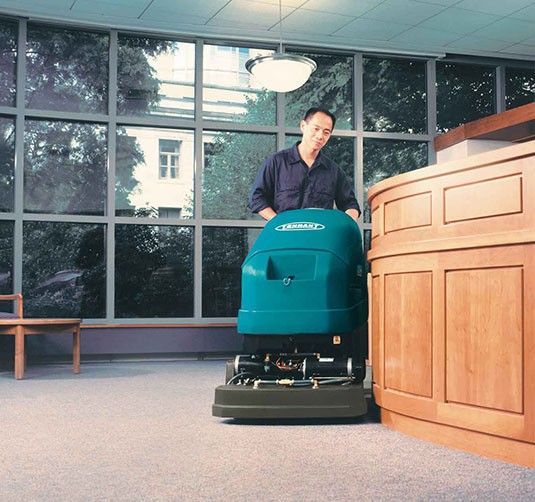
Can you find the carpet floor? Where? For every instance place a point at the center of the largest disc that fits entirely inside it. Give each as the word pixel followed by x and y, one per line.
pixel 128 431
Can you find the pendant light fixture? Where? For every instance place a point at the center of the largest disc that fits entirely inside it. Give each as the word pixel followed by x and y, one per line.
pixel 281 72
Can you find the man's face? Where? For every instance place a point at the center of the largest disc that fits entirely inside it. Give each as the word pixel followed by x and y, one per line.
pixel 316 131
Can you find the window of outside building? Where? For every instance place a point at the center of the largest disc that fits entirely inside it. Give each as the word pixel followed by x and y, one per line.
pixel 169 212
pixel 169 158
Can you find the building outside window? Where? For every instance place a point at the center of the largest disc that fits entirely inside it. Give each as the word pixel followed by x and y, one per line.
pixel 169 158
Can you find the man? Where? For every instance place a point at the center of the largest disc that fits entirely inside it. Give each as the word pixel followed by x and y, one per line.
pixel 301 177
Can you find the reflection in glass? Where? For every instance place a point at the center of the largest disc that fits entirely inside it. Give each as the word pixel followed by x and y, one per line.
pixel 66 70
pixel 519 87
pixel 7 163
pixel 330 86
pixel 154 173
pixel 63 270
pixel 155 77
pixel 8 62
pixel 231 161
pixel 6 257
pixel 153 271
pixel 386 158
pixel 340 149
pixel 64 167
pixel 394 95
pixel 224 250
pixel 230 93
pixel 464 93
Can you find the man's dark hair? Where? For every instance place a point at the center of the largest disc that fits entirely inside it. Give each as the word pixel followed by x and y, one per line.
pixel 316 109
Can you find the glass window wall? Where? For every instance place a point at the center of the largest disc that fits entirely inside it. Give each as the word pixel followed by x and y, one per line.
pixel 386 158
pixel 395 98
pixel 519 87
pixel 7 163
pixel 67 70
pixel 465 92
pixel 183 165
pixel 162 258
pixel 154 172
pixel 64 271
pixel 330 86
pixel 155 77
pixel 6 257
pixel 230 93
pixel 231 161
pixel 8 62
pixel 224 250
pixel 65 167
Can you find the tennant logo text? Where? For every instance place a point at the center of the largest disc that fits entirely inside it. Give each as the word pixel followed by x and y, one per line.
pixel 299 225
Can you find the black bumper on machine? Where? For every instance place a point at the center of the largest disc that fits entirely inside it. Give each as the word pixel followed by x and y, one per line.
pixel 329 401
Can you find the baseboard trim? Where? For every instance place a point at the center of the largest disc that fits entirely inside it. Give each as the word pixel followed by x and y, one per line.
pixel 486 445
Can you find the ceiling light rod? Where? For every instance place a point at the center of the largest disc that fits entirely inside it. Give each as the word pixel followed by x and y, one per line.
pixel 281 72
pixel 280 26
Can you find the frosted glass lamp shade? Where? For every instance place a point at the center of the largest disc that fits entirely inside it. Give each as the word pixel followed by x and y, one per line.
pixel 281 72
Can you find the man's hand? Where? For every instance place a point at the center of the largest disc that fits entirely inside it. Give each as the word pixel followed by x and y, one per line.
pixel 354 213
pixel 267 213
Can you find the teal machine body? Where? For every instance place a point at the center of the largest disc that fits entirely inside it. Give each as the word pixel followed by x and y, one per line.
pixel 304 275
pixel 303 318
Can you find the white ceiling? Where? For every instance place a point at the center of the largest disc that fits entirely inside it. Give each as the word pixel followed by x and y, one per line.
pixel 496 28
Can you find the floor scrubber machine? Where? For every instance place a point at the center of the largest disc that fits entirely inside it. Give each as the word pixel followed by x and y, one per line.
pixel 303 317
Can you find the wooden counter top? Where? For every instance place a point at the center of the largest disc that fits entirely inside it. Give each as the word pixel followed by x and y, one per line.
pixel 515 125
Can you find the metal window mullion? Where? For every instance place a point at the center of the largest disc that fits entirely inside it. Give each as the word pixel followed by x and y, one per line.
pixel 19 157
pixel 8 110
pixel 358 117
pixel 234 223
pixel 197 182
pixel 431 78
pixel 500 89
pixel 400 136
pixel 112 162
pixel 240 127
pixel 280 120
pixel 358 76
pixel 64 218
pixel 172 222
pixel 156 121
pixel 63 115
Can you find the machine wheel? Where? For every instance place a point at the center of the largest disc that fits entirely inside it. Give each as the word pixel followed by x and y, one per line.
pixel 229 370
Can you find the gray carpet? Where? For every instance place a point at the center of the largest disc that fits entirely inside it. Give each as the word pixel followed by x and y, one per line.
pixel 144 431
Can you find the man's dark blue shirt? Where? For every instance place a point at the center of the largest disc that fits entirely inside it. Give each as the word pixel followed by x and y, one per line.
pixel 286 182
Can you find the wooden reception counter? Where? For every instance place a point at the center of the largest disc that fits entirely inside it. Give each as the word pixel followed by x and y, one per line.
pixel 453 303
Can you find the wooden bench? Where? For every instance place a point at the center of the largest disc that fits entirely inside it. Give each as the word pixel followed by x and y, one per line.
pixel 16 325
